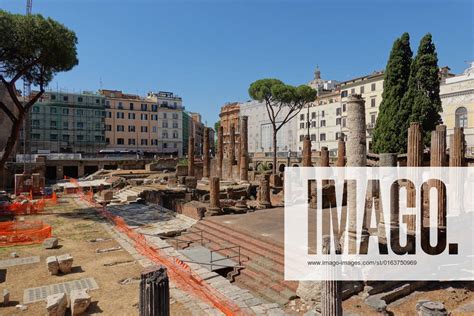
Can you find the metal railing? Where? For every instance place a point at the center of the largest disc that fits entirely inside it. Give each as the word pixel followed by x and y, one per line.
pixel 212 262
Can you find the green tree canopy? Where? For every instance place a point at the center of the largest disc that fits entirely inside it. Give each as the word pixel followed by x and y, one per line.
pixel 283 102
pixel 393 115
pixel 33 48
pixel 423 89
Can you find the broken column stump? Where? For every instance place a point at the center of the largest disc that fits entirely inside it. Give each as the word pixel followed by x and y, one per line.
pixel 154 292
pixel 214 195
pixel 65 263
pixel 56 304
pixel 264 194
pixel 80 301
pixel 53 265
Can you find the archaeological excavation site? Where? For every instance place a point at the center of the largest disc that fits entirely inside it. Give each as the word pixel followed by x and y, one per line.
pixel 199 236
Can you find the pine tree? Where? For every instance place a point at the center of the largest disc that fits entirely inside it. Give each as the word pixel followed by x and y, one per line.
pixel 423 90
pixel 386 136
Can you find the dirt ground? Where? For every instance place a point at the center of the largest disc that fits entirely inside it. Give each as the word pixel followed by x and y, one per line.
pixel 75 226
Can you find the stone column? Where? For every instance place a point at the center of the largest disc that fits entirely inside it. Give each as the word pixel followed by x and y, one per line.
pixel 331 291
pixel 324 161
pixel 154 292
pixel 206 163
pixel 341 153
pixel 220 151
pixel 244 175
pixel 214 192
pixel 414 159
pixel 456 150
pixel 191 157
pixel 264 194
pixel 390 160
pixel 231 151
pixel 356 157
pixel 438 158
pixel 307 152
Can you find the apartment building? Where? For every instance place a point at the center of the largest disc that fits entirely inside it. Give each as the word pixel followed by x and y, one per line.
pixel 63 122
pixel 151 124
pixel 322 121
pixel 370 87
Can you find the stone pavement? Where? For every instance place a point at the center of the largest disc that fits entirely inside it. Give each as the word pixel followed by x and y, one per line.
pixel 242 297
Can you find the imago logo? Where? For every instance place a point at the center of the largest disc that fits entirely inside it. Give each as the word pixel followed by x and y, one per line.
pixel 386 223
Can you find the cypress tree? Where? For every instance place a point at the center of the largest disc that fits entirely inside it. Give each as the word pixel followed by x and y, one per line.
pixel 423 89
pixel 392 115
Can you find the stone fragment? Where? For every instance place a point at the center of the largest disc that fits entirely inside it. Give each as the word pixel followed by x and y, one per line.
pixel 14 255
pixel 80 301
pixel 6 297
pixel 65 263
pixel 105 250
pixel 50 243
pixel 430 308
pixel 53 265
pixel 56 304
pixel 21 307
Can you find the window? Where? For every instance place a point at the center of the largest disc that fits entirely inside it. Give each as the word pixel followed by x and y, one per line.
pixel 164 115
pixel 164 135
pixel 120 115
pixel 372 102
pixel 338 111
pixel 65 138
pixel 361 89
pixel 461 117
pixel 154 107
pixel 97 101
pixel 79 112
pixel 372 118
pixel 338 121
pixel 154 117
pixel 175 134
pixel 343 107
pixel 66 98
pixel 344 122
pixel 353 91
pixel 144 141
pixel 53 110
pixel 372 87
pixel 301 125
pixel 175 144
pixel 35 136
pixel 120 106
pixel 131 106
pixel 80 138
pixel 109 114
pixel 107 104
pixel 175 116
pixel 36 109
pixel 175 124
pixel 53 97
pixel 344 94
pixel 144 117
pixel 35 122
pixel 165 124
pixel 65 111
pixel 107 140
pixel 97 113
pixel 120 128
pixel 313 124
pixel 98 139
pixel 301 138
pixel 120 141
pixel 65 125
pixel 131 141
pixel 313 115
pixel 144 108
pixel 323 123
pixel 313 137
pixel 131 116
pixel 165 145
pixel 322 137
pixel 80 125
pixel 131 128
pixel 322 113
pixel 154 129
pixel 108 127
pixel 79 99
pixel 53 137
pixel 144 129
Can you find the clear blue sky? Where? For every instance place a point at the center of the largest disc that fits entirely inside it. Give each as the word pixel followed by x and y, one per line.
pixel 209 52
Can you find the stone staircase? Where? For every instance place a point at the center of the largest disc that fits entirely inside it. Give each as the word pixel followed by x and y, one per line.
pixel 263 260
pixel 129 193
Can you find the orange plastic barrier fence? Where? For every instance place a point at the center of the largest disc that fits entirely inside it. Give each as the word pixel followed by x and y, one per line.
pixel 23 233
pixel 178 270
pixel 27 207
